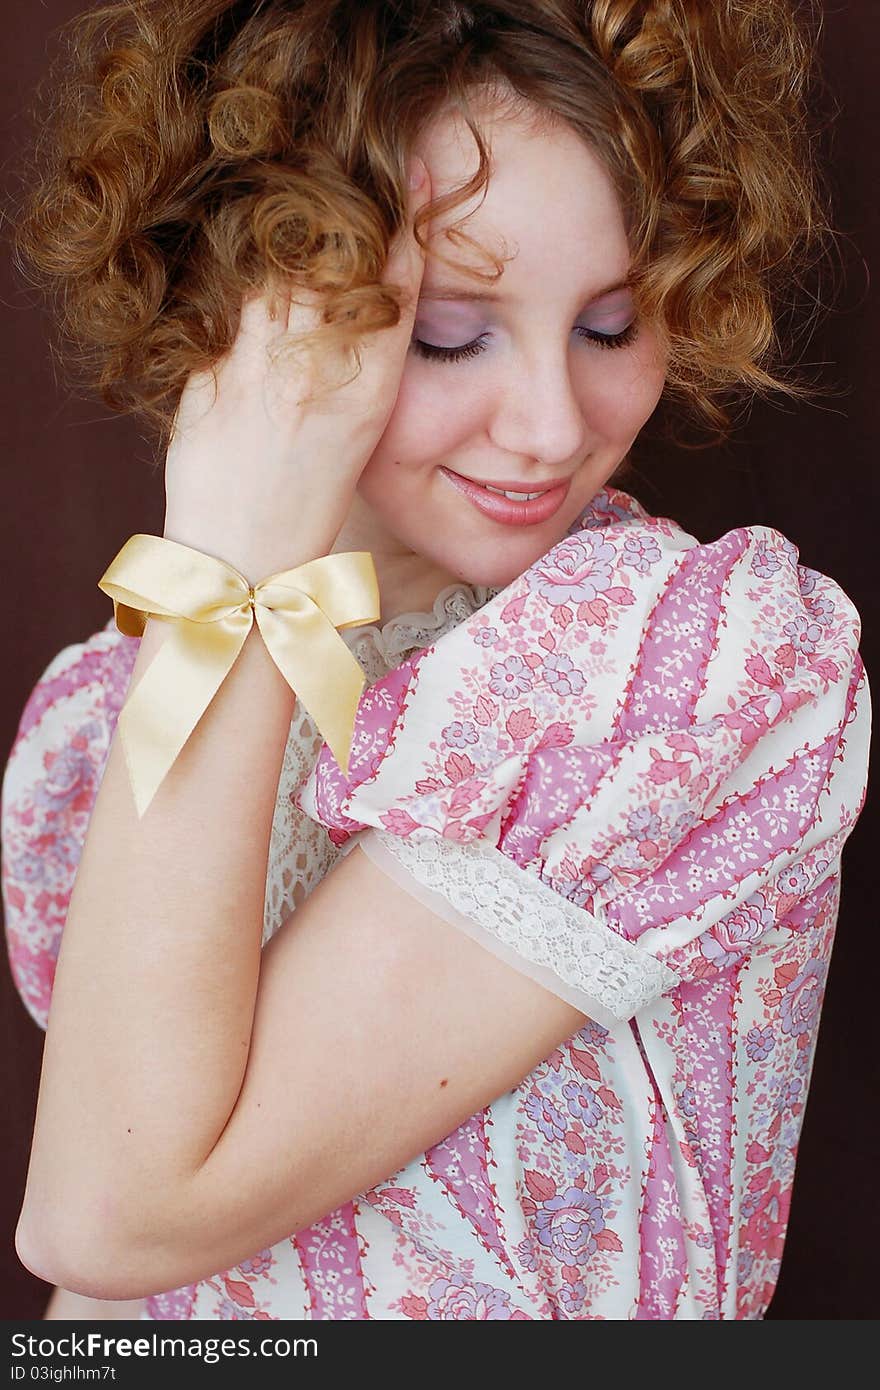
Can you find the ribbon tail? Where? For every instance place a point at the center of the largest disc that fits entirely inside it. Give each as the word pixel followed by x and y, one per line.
pixel 317 664
pixel 170 698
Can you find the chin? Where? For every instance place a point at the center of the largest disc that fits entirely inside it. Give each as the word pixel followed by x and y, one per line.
pixel 498 569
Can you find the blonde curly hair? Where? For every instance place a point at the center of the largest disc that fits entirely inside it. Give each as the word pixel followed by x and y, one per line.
pixel 195 150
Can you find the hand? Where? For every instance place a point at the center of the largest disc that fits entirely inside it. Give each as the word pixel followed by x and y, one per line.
pixel 253 475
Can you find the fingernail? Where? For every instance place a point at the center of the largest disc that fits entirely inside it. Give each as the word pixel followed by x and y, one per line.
pixel 417 173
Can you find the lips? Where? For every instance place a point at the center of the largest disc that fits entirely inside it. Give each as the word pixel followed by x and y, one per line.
pixel 515 485
pixel 505 509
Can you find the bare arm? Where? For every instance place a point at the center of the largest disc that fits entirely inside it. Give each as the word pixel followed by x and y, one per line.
pixel 158 966
pixel 207 1101
pixel 65 1306
pixel 198 1101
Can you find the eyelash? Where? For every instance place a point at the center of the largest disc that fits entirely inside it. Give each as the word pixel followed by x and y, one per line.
pixel 457 354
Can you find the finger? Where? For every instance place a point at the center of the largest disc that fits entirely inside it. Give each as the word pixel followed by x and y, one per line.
pixel 292 371
pixel 304 310
pixel 255 328
pixel 262 326
pixel 263 314
pixel 278 305
pixel 405 264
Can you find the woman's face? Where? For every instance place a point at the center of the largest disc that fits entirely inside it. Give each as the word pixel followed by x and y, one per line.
pixel 542 394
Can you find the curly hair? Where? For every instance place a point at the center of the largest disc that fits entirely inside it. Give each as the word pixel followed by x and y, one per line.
pixel 195 150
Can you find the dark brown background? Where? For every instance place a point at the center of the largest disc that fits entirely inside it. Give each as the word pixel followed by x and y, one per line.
pixel 78 484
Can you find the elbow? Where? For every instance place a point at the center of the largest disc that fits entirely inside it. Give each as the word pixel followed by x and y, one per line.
pixel 72 1254
pixel 59 1256
pixel 30 1253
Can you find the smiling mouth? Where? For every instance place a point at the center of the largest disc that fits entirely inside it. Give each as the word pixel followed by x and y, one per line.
pixel 513 496
pixel 509 506
pixel 510 489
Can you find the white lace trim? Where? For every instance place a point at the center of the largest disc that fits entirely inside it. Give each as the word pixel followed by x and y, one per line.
pixel 393 640
pixel 512 912
pixel 301 852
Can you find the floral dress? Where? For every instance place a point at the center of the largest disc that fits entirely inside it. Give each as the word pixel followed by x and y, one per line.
pixel 630 774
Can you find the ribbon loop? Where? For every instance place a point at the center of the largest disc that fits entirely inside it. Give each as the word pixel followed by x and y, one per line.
pixel 213 608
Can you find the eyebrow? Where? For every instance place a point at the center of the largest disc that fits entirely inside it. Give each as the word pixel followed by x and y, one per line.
pixel 450 292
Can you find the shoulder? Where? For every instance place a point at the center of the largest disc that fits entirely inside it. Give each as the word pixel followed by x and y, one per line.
pixel 653 623
pixel 70 712
pixel 620 554
pixel 49 787
pixel 628 627
pixel 87 677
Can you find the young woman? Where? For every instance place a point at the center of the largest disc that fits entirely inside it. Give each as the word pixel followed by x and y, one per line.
pixel 512 1013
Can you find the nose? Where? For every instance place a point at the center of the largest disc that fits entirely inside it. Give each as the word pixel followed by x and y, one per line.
pixel 537 414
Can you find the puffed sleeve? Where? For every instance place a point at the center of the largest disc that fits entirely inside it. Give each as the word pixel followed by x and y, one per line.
pixel 620 771
pixel 50 785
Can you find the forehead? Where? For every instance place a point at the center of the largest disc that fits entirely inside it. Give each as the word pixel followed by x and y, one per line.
pixel 549 203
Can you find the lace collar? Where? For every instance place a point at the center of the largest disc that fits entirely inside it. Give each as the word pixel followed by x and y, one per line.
pixel 380 648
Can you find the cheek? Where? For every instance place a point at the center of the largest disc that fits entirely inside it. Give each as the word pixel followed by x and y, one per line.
pixel 645 386
pixel 421 430
pixel 618 399
pixel 381 478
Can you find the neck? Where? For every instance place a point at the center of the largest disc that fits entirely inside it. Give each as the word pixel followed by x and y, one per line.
pixel 408 582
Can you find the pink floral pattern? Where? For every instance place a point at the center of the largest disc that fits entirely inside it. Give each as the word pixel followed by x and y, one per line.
pixel 670 735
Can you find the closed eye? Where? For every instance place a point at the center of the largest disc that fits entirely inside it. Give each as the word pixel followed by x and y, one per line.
pixel 433 353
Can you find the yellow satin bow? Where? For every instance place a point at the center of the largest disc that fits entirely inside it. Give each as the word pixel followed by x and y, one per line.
pixel 297 611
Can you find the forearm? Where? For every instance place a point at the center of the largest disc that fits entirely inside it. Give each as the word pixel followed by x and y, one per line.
pixel 153 1001
pixel 64 1306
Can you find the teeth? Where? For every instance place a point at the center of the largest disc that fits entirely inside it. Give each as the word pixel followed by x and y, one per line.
pixel 514 496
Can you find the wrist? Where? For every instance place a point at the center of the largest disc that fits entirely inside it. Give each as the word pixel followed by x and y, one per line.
pixel 254 558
